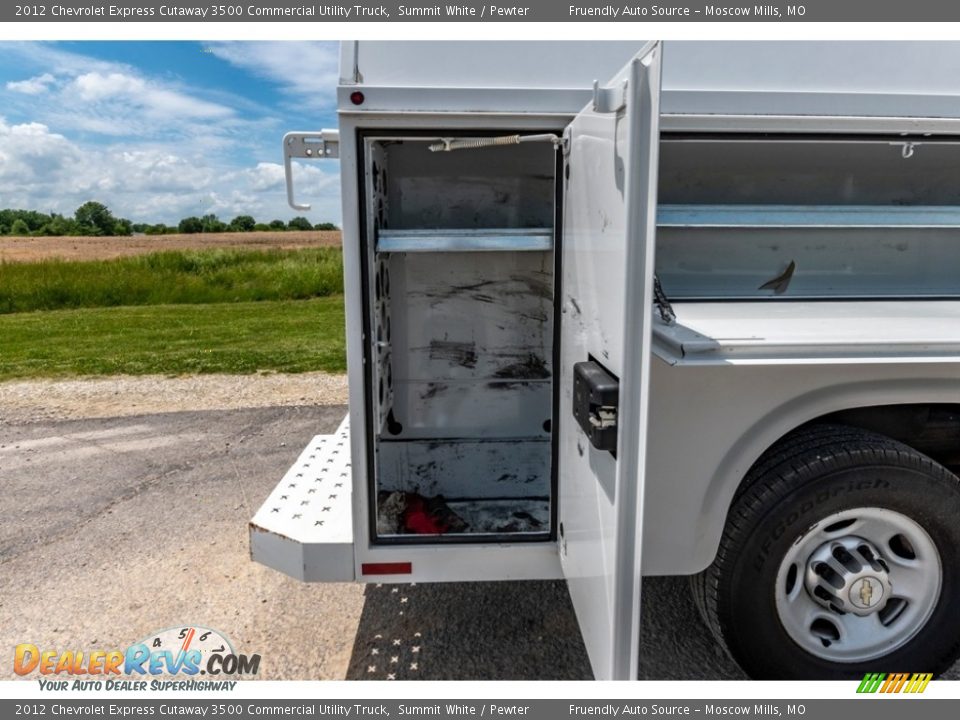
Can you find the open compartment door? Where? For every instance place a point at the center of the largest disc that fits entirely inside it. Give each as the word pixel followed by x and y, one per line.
pixel 608 244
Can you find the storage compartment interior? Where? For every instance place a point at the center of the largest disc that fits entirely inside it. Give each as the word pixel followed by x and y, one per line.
pixel 460 251
pixel 780 217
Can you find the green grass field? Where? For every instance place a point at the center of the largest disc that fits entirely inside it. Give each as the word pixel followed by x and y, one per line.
pixel 282 336
pixel 175 277
pixel 226 311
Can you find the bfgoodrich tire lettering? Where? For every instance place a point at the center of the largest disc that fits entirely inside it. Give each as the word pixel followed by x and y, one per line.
pixel 811 475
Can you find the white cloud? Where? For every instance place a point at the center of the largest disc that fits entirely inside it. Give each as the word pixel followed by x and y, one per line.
pixel 125 104
pixel 159 170
pixel 43 170
pixel 54 59
pixel 32 86
pixel 266 176
pixel 153 148
pixel 138 94
pixel 31 156
pixel 307 71
pixel 74 92
pixel 96 86
pixel 235 202
pixel 315 180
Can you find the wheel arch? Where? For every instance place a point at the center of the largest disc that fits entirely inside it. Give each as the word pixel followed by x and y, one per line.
pixel 848 403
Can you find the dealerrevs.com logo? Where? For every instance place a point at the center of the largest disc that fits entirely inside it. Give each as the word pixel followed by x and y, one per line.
pixel 188 652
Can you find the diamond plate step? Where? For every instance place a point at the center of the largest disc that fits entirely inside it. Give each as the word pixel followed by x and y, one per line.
pixel 305 527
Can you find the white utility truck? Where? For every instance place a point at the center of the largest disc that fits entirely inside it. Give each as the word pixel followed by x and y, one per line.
pixel 702 324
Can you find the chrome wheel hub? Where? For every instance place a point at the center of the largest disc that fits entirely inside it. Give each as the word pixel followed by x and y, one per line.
pixel 858 584
pixel 848 575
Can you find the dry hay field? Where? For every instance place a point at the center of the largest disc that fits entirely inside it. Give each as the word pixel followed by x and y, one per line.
pixel 32 249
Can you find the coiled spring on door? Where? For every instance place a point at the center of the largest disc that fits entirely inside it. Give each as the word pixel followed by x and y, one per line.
pixel 448 144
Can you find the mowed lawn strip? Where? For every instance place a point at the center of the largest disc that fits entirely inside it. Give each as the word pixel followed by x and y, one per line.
pixel 173 277
pixel 235 337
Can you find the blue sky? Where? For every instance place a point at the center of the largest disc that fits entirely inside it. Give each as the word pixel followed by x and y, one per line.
pixel 161 130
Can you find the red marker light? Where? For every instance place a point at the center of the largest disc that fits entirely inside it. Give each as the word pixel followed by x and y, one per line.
pixel 356 97
pixel 386 568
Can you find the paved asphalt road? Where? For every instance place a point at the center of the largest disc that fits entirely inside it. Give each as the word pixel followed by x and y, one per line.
pixel 115 528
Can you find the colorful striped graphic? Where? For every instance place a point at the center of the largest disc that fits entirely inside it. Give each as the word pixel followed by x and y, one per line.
pixel 894 682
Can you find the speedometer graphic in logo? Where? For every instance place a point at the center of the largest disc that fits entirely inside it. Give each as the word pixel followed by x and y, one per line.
pixel 179 641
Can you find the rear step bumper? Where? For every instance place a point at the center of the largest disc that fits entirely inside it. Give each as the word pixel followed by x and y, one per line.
pixel 305 527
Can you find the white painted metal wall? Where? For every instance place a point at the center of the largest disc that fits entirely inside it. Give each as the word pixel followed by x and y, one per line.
pixel 803 78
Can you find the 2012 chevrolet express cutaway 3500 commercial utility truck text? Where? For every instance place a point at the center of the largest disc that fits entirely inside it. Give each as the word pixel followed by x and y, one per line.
pixel 699 318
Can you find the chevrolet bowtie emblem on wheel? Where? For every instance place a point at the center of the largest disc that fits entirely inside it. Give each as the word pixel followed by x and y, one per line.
pixel 866 592
pixel 894 682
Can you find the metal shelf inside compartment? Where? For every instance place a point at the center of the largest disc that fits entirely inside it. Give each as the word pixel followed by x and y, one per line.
pixel 814 216
pixel 465 240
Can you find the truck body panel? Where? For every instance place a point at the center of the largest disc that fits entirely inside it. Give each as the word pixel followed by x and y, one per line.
pixel 806 235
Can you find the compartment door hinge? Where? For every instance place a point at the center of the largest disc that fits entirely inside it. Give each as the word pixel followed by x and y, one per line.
pixel 609 99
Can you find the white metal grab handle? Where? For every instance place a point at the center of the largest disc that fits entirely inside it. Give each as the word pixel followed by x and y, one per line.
pixel 307 146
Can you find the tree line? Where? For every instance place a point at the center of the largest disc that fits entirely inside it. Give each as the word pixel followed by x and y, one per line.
pixel 94 218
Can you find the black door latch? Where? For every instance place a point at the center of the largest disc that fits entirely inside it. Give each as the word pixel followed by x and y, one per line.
pixel 596 398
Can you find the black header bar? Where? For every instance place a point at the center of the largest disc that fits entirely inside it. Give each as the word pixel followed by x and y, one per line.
pixel 642 11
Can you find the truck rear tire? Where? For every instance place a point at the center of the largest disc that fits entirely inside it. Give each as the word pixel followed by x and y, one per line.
pixel 841 556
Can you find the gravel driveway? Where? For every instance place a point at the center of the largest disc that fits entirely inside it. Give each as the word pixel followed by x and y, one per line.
pixel 118 527
pixel 115 527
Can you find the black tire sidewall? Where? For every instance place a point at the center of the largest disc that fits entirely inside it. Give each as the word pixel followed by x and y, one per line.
pixel 746 594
